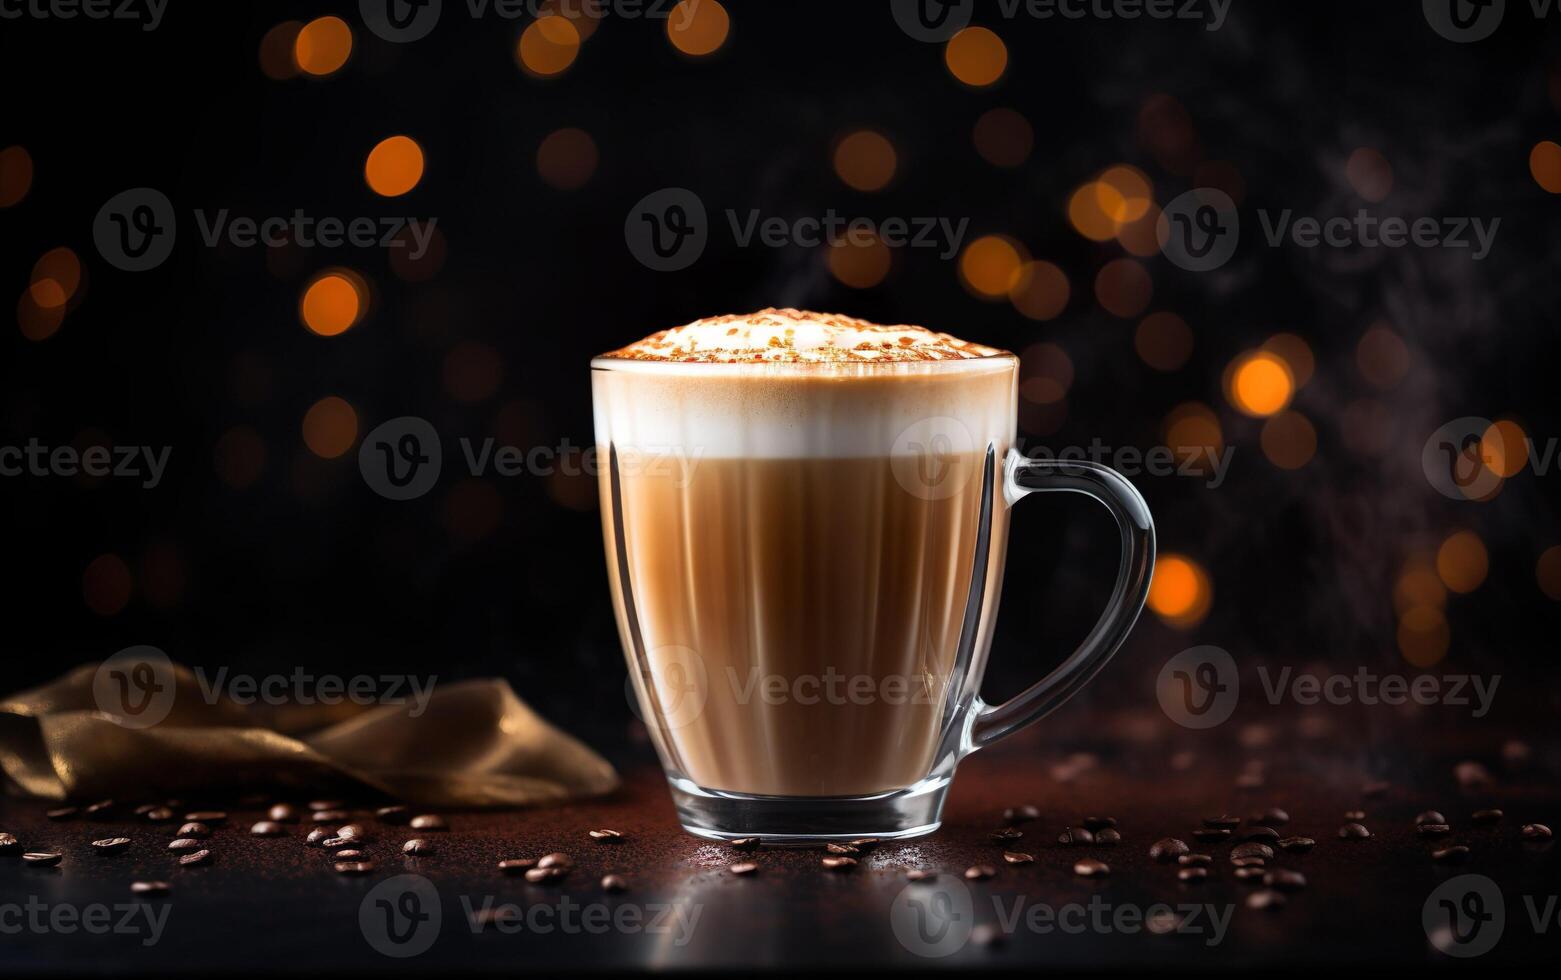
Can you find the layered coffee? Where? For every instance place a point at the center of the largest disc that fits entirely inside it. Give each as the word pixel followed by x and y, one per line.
pixel 804 523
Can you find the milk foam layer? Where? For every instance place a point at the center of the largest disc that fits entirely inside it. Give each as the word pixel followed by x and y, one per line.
pixel 655 403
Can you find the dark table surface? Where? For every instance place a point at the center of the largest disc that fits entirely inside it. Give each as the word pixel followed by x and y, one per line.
pixel 265 904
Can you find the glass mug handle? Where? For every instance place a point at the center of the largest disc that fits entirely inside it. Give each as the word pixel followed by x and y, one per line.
pixel 1023 476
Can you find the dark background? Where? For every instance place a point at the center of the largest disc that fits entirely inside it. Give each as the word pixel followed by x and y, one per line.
pixel 307 567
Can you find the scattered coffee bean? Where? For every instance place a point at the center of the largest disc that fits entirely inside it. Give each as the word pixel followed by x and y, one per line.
pixel 839 863
pixel 1107 838
pixel 1266 899
pixel 109 845
pixel 613 884
pixel 1354 831
pixel 555 860
pixel 979 872
pixel 1250 873
pixel 1168 849
pixel 350 854
pixel 1091 868
pixel 1297 845
pixel 150 888
pixel 1211 835
pixel 864 843
pixel 1433 830
pixel 1192 874
pixel 418 847
pixel 744 844
pixel 920 874
pixel 1021 814
pixel 9 844
pixel 184 844
pixel 208 817
pixel 1487 817
pixel 1248 862
pixel 1005 835
pixel 1272 817
pixel 329 816
pixel 194 830
pixel 1429 816
pixel 542 876
pixel 354 867
pixel 397 814
pixel 62 813
pixel 607 836
pixel 1355 815
pixel 1018 857
pixel 1194 860
pixel 847 850
pixel 318 805
pixel 1222 822
pixel 159 814
pixel 268 828
pixel 1285 880
pixel 1075 837
pixel 1266 834
pixel 743 868
pixel 145 808
pixel 283 813
pixel 338 842
pixel 429 821
pixel 318 836
pixel 352 830
pixel 514 866
pixel 1456 854
pixel 99 808
pixel 1252 849
pixel 198 857
pixel 1535 831
pixel 1100 823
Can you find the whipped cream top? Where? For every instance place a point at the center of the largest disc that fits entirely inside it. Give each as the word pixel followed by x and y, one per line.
pixel 788 336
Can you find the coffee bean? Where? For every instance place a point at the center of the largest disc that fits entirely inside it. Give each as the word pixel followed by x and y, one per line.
pixel 429 821
pixel 1272 817
pixel 1248 862
pixel 1252 849
pixel 354 830
pixel 919 874
pixel 743 868
pixel 1194 860
pixel 544 876
pixel 1107 838
pixel 109 845
pixel 194 830
pixel 184 844
pixel 1433 830
pixel 1075 837
pixel 208 817
pixel 145 808
pixel 198 857
pixel 1192 874
pixel 515 866
pixel 283 813
pixel 1211 835
pixel 1266 834
pixel 1487 817
pixel 1355 815
pixel 62 813
pixel 318 836
pixel 1285 880
pixel 1222 822
pixel 1354 831
pixel 350 854
pixel 979 872
pixel 1168 849
pixel 397 814
pixel 1005 835
pixel 1266 899
pixel 1100 823
pixel 318 805
pixel 42 859
pixel 150 888
pixel 329 816
pixel 1451 855
pixel 418 847
pixel 744 844
pixel 1429 816
pixel 847 850
pixel 338 842
pixel 1091 868
pixel 268 828
pixel 613 884
pixel 354 867
pixel 1018 857
pixel 9 844
pixel 159 814
pixel 1534 831
pixel 98 809
pixel 607 836
pixel 839 863
pixel 1297 845
pixel 1021 814
pixel 864 843
pixel 555 860
pixel 1250 873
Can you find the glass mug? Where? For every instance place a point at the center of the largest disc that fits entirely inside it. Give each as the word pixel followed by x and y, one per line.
pixel 806 560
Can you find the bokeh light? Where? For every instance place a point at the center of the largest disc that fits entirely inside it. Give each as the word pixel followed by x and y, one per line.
pixel 1123 288
pixel 16 175
pixel 323 46
pixel 1504 448
pixel 1260 384
pixel 989 266
pixel 1046 371
pixel 1370 174
pixel 1165 128
pixel 1297 355
pixel 1040 291
pixel 698 27
pixel 1382 356
pixel 1418 585
pixel 394 166
pixel 472 372
pixel 1221 175
pixel 1141 236
pixel 332 302
pixel 106 584
pixel 1547 571
pixel 330 427
pixel 548 46
pixel 1180 592
pixel 1191 431
pixel 865 160
pixel 1462 562
pixel 55 277
pixel 240 457
pixel 38 322
pixel 567 158
pixel 1423 636
pixel 1544 162
pixel 1125 193
pixel 1289 440
pixel 277 51
pixel 858 261
pixel 1163 341
pixel 976 56
pixel 1003 137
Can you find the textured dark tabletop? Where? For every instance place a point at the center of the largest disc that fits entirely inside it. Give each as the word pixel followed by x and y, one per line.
pixel 269 904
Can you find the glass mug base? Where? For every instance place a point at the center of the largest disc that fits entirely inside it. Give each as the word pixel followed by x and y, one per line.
pixel 801 820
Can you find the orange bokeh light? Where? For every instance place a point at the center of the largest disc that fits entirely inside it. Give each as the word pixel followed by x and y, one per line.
pixel 859 263
pixel 1504 448
pixel 1544 162
pixel 1180 592
pixel 16 175
pixel 976 56
pixel 1040 291
pixel 1462 561
pixel 1164 341
pixel 567 158
pixel 323 45
pixel 548 46
pixel 330 427
pixel 332 303
pixel 698 27
pixel 865 160
pixel 990 265
pixel 394 166
pixel 1260 384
